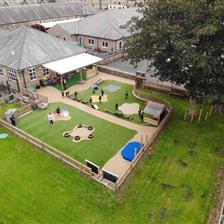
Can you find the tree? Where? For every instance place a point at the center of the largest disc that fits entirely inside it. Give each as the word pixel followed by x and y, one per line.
pixel 185 39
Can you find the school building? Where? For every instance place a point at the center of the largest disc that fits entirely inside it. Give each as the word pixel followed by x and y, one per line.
pixel 29 58
pixel 101 32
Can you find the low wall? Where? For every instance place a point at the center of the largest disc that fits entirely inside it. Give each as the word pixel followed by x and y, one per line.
pixel 115 72
pixel 159 86
pixel 110 58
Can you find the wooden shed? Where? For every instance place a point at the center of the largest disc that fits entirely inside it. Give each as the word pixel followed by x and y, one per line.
pixel 154 112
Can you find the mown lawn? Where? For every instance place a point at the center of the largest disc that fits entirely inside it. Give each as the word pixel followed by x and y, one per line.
pixel 114 97
pixel 175 185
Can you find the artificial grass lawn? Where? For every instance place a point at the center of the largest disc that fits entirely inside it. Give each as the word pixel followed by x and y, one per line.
pixel 106 143
pixel 74 80
pixel 35 188
pixel 115 97
pixel 7 106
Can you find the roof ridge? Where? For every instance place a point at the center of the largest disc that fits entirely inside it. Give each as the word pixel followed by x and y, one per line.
pixel 23 44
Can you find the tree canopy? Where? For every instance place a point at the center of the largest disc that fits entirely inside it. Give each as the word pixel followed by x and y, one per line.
pixel 185 39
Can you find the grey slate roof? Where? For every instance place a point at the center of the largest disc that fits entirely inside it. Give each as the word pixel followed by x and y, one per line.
pixel 21 2
pixel 105 25
pixel 154 109
pixel 38 12
pixel 25 47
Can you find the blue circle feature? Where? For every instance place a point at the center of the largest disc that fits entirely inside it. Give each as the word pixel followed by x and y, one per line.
pixel 4 136
pixel 130 149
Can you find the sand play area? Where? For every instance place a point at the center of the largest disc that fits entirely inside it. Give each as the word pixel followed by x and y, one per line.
pixel 129 108
pixel 95 98
pixel 80 132
pixel 63 115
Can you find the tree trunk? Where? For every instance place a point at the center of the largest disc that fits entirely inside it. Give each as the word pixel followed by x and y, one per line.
pixel 193 106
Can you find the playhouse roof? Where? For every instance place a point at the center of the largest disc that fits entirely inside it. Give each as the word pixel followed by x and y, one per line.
pixel 154 109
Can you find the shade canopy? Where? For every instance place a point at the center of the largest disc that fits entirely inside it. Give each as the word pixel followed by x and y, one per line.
pixel 72 63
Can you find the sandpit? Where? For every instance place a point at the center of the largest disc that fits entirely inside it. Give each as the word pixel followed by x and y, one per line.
pixel 63 115
pixel 80 132
pixel 112 88
pixel 129 108
pixel 95 98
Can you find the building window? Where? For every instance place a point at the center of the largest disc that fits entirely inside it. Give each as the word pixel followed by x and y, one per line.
pixel 91 42
pixel 12 75
pixel 33 75
pixel 1 72
pixel 119 45
pixel 105 44
pixel 45 72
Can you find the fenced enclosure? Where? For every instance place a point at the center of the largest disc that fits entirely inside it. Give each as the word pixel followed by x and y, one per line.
pixel 110 180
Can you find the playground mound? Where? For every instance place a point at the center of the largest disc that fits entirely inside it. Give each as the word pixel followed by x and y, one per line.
pixel 80 132
pixel 64 115
pixel 129 108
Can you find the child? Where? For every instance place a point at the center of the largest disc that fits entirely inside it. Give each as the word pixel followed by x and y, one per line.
pixel 90 100
pixel 49 117
pixel 62 93
pixel 100 99
pixel 126 95
pixel 102 92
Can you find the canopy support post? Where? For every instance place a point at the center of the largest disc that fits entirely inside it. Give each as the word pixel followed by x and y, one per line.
pixel 62 83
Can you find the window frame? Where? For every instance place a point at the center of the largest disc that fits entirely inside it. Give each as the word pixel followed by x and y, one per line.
pixel 1 72
pixel 91 42
pixel 12 74
pixel 45 72
pixel 105 44
pixel 33 74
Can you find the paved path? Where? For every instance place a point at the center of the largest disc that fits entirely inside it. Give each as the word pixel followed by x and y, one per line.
pixel 116 164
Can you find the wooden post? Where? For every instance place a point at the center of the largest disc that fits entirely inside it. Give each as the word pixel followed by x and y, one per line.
pixel 135 153
pixel 199 117
pixel 81 70
pixel 185 115
pixel 192 118
pixel 1 111
pixel 96 70
pixel 206 116
pixel 62 84
pixel 142 139
pixel 210 111
pixel 147 138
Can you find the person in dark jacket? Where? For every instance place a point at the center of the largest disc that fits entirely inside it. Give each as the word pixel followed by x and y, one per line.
pixel 13 120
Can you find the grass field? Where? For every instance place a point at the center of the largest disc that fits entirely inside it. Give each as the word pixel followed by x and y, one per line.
pixel 106 143
pixel 113 98
pixel 175 185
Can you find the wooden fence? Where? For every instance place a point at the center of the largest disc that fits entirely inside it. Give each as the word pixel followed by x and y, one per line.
pixel 148 144
pixel 49 149
pixel 23 110
pixel 76 164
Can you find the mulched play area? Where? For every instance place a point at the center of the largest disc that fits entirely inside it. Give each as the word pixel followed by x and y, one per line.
pixel 115 94
pixel 106 141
